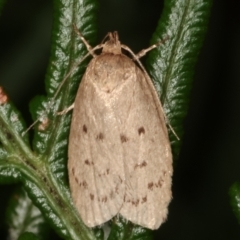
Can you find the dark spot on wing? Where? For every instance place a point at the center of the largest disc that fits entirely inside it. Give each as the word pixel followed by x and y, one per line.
pixel 150 185
pixel 141 130
pixel 111 194
pixel 144 199
pixel 120 179
pixel 100 136
pixel 141 165
pixel 73 171
pixel 123 138
pixel 135 203
pixel 85 185
pixel 87 162
pixel 85 128
pixel 77 180
pixel 116 190
pixel 104 173
pixel 159 183
pixel 91 196
pixel 104 199
pixel 127 199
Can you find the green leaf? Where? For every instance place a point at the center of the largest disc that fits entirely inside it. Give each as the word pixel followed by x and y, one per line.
pixel 171 65
pixel 67 49
pixel 22 216
pixel 234 193
pixel 11 128
pixel 28 236
pixel 43 172
pixel 122 229
pixel 2 2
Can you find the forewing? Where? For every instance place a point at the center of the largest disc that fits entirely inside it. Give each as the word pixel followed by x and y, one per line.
pixel 147 154
pixel 95 161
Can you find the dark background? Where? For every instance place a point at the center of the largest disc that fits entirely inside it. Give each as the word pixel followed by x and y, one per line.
pixel 209 160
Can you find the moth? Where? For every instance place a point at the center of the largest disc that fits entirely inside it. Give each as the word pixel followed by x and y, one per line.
pixel 119 156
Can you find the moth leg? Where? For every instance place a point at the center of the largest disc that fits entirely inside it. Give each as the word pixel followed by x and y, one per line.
pixel 90 52
pixel 136 58
pixel 144 51
pixel 66 110
pixel 88 46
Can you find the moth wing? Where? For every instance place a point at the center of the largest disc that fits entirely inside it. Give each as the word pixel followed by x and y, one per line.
pixel 147 154
pixel 95 163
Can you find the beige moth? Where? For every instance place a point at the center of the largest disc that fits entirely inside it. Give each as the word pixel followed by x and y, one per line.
pixel 119 156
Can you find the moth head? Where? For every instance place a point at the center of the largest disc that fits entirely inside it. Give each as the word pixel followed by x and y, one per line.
pixel 112 45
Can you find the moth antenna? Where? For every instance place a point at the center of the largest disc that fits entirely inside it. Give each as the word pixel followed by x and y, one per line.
pixel 68 75
pixel 35 122
pixel 59 88
pixel 88 46
pixel 66 110
pixel 172 130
